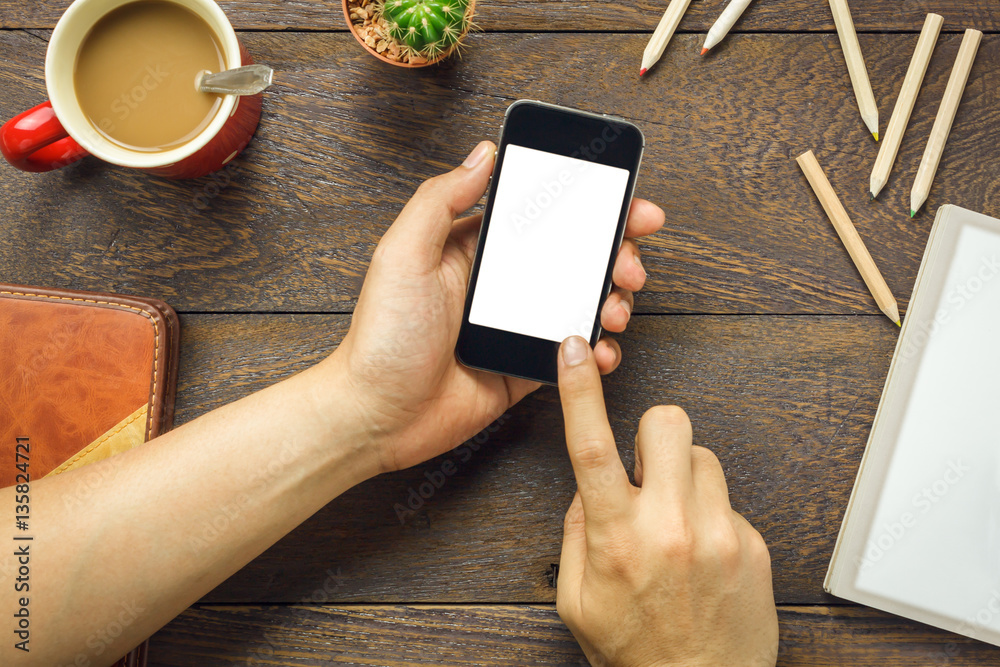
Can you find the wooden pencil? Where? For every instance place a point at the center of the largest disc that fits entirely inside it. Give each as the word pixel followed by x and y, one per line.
pixel 730 15
pixel 664 31
pixel 855 64
pixel 904 103
pixel 849 235
pixel 944 120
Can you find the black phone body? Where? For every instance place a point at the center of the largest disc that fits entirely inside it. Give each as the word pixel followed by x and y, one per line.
pixel 555 215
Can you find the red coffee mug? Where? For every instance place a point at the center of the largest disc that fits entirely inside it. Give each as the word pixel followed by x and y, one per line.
pixel 57 133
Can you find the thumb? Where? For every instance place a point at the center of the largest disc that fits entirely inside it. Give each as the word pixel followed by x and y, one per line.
pixel 425 222
pixel 572 564
pixel 574 548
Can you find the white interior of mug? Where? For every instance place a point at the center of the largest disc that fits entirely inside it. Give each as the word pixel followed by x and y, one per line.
pixel 60 63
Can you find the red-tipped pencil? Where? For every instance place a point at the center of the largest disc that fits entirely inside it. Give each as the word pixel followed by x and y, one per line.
pixel 664 31
pixel 730 15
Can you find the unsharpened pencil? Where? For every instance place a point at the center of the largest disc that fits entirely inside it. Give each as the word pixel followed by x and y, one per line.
pixel 730 15
pixel 945 118
pixel 855 64
pixel 904 104
pixel 664 31
pixel 849 235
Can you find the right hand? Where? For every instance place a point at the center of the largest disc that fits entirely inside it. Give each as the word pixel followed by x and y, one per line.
pixel 665 572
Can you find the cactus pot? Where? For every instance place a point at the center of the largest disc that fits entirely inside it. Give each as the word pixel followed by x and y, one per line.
pixel 444 54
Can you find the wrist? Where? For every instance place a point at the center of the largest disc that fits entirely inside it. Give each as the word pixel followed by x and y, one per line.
pixel 379 411
pixel 352 435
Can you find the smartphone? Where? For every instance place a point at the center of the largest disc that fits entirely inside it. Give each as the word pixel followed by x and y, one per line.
pixel 560 194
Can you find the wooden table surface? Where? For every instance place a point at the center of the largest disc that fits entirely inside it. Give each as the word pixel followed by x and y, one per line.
pixel 754 318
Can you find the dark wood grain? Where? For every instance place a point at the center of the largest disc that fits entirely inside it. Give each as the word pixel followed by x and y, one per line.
pixel 785 402
pixel 779 380
pixel 589 15
pixel 345 140
pixel 521 636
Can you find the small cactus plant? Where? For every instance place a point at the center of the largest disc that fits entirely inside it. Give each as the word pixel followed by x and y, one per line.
pixel 427 28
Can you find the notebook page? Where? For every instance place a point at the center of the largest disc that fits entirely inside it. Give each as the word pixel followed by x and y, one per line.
pixel 934 541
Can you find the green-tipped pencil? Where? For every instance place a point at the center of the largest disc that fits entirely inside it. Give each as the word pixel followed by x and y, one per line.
pixel 945 117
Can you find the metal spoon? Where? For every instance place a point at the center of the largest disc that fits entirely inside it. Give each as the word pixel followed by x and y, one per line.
pixel 248 80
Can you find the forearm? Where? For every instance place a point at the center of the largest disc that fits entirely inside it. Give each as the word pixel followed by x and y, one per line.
pixel 148 532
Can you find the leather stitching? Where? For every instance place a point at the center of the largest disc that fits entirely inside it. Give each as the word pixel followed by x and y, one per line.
pixel 95 445
pixel 156 332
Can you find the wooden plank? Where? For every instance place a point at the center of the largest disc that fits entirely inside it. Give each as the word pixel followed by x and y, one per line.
pixel 461 635
pixel 292 224
pixel 785 402
pixel 588 15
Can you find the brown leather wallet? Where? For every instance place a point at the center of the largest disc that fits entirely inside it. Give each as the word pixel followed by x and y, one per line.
pixel 83 376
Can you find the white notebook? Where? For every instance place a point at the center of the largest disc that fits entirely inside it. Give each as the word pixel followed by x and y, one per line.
pixel 921 536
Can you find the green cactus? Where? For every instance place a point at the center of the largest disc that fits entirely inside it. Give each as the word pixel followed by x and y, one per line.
pixel 427 27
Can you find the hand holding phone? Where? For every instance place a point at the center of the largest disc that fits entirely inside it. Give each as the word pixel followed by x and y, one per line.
pixel 398 359
pixel 554 221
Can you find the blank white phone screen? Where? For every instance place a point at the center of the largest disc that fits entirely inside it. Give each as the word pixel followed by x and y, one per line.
pixel 547 247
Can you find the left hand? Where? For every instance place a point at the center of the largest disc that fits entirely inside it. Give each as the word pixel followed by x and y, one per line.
pixel 398 359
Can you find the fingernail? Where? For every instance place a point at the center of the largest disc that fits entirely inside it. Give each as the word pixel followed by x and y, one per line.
pixel 477 155
pixel 638 262
pixel 627 307
pixel 574 351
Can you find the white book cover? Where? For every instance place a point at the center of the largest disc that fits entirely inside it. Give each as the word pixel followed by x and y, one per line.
pixel 921 535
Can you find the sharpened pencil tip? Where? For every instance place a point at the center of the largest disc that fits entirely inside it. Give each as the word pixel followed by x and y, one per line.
pixel 704 51
pixel 875 134
pixel 899 323
pixel 913 213
pixel 642 71
pixel 872 195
